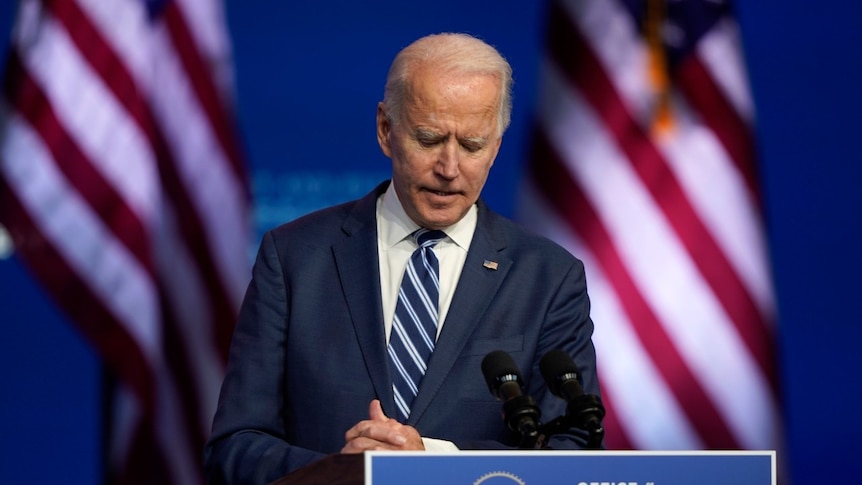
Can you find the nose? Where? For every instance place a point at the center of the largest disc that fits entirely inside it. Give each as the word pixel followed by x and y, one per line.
pixel 448 161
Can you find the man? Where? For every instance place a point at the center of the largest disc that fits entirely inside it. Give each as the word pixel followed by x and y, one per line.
pixel 312 369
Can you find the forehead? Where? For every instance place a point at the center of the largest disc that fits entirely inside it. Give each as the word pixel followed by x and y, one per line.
pixel 469 98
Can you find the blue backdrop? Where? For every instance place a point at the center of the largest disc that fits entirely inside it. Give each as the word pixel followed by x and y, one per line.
pixel 309 77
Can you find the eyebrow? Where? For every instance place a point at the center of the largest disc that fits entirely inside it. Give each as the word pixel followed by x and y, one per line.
pixel 426 133
pixel 480 140
pixel 434 135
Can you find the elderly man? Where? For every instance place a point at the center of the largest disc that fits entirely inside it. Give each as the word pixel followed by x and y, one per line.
pixel 365 324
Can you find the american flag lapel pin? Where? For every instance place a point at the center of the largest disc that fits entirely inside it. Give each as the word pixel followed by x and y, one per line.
pixel 490 265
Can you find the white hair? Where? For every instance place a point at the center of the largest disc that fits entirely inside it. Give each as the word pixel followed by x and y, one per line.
pixel 453 53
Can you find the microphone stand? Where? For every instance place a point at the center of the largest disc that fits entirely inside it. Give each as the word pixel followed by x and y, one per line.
pixel 521 415
pixel 584 412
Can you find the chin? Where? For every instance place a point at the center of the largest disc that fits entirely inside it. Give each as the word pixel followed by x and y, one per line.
pixel 438 217
pixel 439 222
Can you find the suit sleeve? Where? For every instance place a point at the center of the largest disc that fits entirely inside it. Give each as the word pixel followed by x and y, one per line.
pixel 567 326
pixel 248 444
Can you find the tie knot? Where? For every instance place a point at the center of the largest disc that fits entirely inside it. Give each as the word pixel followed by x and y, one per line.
pixel 426 238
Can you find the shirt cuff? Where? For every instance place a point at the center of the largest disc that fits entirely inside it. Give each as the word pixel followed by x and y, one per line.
pixel 432 444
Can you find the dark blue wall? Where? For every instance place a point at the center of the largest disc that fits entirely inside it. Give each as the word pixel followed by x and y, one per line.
pixel 309 77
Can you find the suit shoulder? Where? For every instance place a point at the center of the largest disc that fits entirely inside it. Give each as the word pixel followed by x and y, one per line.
pixel 334 222
pixel 309 234
pixel 315 224
pixel 522 240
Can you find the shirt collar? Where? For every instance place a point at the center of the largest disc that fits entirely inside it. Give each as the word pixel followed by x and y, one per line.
pixel 395 225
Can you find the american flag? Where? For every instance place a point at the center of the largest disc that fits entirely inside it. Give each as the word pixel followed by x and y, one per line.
pixel 125 192
pixel 643 165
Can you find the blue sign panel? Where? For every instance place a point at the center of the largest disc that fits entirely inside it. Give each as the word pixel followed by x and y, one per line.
pixel 572 468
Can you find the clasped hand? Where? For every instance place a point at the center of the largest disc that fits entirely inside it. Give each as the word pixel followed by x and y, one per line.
pixel 380 432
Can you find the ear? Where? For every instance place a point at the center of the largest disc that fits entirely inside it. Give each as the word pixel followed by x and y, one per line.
pixel 496 150
pixel 384 129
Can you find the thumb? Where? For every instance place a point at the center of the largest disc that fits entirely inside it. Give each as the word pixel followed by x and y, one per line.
pixel 375 411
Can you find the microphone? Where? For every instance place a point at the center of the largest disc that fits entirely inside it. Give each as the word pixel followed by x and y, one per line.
pixel 520 412
pixel 585 411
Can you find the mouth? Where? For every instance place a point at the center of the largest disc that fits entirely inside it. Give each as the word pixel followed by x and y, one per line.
pixel 441 193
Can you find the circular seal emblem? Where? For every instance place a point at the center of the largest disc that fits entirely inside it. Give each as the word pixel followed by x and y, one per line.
pixel 498 478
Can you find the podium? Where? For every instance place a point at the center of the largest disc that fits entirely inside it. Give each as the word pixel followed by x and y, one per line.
pixel 332 470
pixel 542 467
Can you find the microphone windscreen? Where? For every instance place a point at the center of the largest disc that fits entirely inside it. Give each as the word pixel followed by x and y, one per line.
pixel 498 364
pixel 555 365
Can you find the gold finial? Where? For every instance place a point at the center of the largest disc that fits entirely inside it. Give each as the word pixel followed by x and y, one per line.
pixel 662 119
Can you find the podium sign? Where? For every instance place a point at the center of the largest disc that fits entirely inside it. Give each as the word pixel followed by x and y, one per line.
pixel 572 468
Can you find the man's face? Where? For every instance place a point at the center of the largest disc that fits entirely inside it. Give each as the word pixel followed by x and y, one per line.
pixel 443 146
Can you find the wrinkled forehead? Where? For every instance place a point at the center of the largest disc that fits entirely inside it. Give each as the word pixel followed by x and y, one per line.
pixel 472 101
pixel 454 91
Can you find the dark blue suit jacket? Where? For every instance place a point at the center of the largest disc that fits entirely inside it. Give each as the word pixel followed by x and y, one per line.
pixel 309 352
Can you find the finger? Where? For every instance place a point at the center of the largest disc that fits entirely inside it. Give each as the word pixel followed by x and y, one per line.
pixel 357 430
pixel 384 432
pixel 357 445
pixel 375 411
pixel 381 431
pixel 376 414
pixel 362 444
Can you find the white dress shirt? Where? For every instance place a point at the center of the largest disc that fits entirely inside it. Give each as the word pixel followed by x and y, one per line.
pixel 394 247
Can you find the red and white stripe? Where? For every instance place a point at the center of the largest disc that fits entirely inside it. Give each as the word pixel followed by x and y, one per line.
pixel 669 228
pixel 124 190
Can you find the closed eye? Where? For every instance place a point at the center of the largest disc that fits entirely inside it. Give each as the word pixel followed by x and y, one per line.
pixel 428 139
pixel 473 145
pixel 429 142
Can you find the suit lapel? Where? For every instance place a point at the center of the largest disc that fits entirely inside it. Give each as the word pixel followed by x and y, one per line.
pixel 476 289
pixel 360 280
pixel 359 273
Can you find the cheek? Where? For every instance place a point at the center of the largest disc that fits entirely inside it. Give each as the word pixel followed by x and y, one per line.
pixel 414 161
pixel 478 171
pixel 407 171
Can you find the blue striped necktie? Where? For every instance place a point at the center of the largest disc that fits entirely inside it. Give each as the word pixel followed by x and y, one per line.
pixel 414 328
